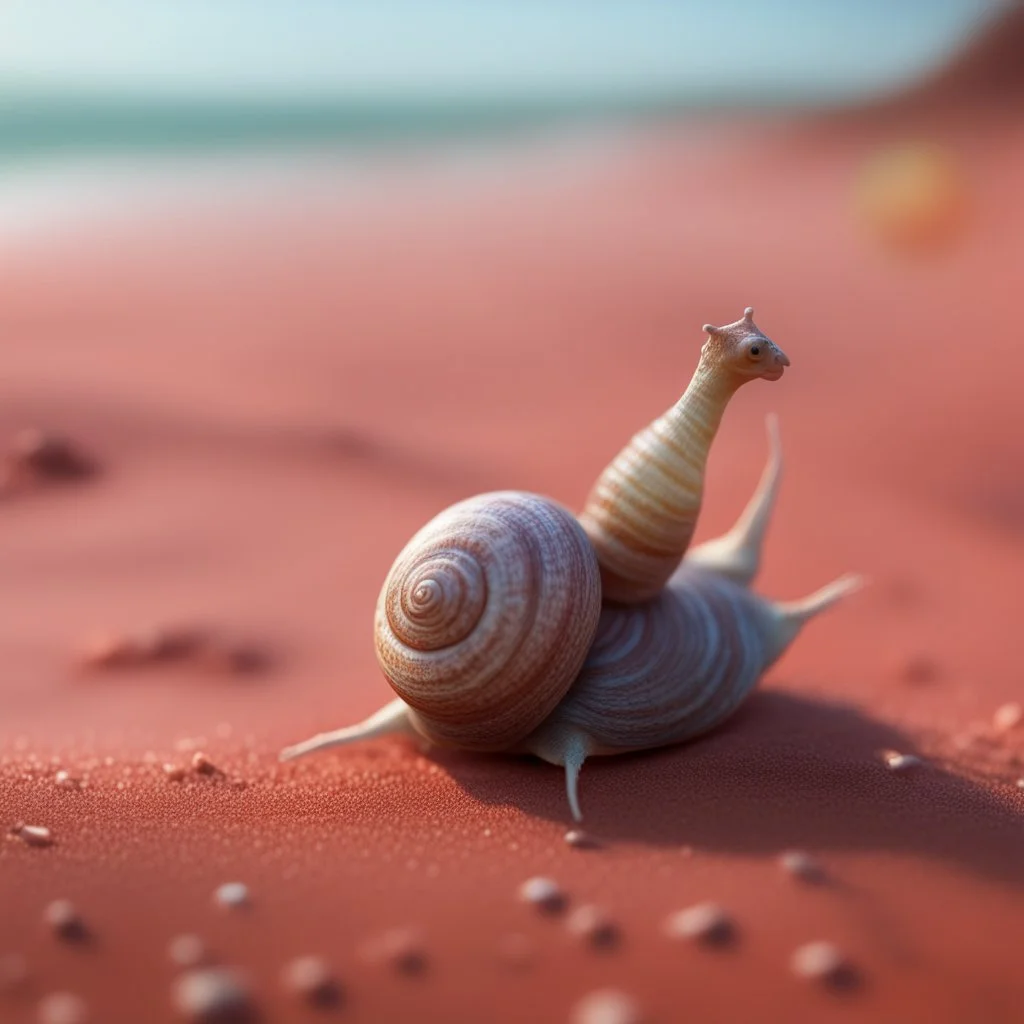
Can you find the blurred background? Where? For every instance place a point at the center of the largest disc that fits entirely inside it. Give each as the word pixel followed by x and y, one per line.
pixel 280 281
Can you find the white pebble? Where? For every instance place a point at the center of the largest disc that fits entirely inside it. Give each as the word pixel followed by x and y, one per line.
pixel 311 978
pixel 213 994
pixel 820 961
pixel 188 951
pixel 63 918
pixel 801 865
pixel 606 1006
pixel 902 762
pixel 543 893
pixel 581 840
pixel 62 1008
pixel 703 922
pixel 34 835
pixel 232 894
pixel 593 925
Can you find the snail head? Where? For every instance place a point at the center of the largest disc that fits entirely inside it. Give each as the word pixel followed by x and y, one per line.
pixel 743 350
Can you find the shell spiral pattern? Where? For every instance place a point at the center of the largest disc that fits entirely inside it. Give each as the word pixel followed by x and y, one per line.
pixel 672 669
pixel 486 618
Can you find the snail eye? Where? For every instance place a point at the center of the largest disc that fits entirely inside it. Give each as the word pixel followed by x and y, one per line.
pixel 755 351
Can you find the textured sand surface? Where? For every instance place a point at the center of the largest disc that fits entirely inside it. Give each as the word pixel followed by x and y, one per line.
pixel 280 396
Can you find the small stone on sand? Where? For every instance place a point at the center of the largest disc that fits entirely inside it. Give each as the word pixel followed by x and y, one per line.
pixel 543 893
pixel 606 1006
pixel 49 455
pixel 174 772
pixel 400 948
pixel 233 895
pixel 822 961
pixel 203 765
pixel 65 921
pixel 311 978
pixel 65 780
pixel 707 923
pixel 214 995
pixel 62 1008
pixel 594 925
pixel 33 835
pixel 802 866
pixel 581 840
pixel 188 951
pixel 902 762
pixel 1008 717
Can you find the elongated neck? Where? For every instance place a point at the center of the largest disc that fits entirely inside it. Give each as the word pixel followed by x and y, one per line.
pixel 642 512
pixel 694 420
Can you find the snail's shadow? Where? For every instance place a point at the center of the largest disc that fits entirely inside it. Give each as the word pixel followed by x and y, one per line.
pixel 787 771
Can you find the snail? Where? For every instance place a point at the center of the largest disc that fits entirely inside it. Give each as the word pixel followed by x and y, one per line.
pixel 506 624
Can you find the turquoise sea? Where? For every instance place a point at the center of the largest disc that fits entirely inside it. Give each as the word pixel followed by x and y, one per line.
pixel 88 76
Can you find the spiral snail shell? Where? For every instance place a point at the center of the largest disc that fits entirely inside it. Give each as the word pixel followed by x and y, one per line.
pixel 486 617
pixel 506 624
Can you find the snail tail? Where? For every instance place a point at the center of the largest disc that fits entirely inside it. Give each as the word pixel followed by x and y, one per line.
pixel 392 719
pixel 807 607
pixel 791 616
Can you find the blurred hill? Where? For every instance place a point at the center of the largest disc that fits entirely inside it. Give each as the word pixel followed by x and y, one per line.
pixel 989 67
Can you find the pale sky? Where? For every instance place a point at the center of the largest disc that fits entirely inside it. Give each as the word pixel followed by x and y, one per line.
pixel 454 47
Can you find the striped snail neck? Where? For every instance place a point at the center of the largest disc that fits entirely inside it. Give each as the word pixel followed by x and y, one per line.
pixel 643 510
pixel 692 423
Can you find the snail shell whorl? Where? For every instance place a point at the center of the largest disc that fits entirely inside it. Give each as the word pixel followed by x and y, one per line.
pixel 486 618
pixel 670 669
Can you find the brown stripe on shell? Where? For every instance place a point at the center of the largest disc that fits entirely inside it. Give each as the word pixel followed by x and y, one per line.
pixel 486 617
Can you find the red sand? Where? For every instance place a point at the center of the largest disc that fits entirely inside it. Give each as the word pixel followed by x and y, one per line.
pixel 280 398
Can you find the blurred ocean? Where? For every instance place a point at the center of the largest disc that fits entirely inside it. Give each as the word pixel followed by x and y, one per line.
pixel 87 76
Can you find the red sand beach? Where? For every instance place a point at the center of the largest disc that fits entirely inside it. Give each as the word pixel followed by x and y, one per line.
pixel 279 395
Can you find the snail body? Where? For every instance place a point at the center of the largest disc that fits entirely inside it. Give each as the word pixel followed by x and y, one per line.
pixel 671 670
pixel 506 624
pixel 679 665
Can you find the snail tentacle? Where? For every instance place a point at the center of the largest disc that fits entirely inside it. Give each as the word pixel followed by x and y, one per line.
pixel 789 617
pixel 737 554
pixel 393 719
